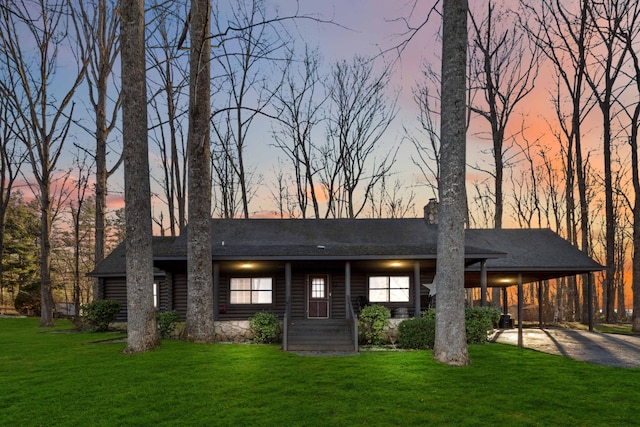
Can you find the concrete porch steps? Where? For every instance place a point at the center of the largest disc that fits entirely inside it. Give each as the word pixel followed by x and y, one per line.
pixel 320 335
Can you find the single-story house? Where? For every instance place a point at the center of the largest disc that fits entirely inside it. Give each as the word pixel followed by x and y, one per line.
pixel 315 274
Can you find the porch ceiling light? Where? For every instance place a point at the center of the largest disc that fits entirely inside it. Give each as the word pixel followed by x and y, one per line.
pixel 246 265
pixel 396 264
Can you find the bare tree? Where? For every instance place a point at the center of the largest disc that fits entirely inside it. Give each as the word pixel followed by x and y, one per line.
pixel 199 324
pixel 168 91
pixel 77 208
pixel 526 191
pixel 250 80
pixel 98 27
pixel 391 201
pixel 505 69
pixel 46 118
pixel 628 35
pixel 610 53
pixel 361 114
pixel 299 105
pixel 427 96
pixel 450 342
pixel 12 155
pixel 142 334
pixel 224 177
pixel 563 37
pixel 284 201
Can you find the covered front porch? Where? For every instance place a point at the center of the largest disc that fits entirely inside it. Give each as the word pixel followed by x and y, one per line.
pixel 321 298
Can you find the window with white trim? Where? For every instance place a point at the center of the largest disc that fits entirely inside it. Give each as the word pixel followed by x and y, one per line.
pixel 156 297
pixel 251 290
pixel 389 288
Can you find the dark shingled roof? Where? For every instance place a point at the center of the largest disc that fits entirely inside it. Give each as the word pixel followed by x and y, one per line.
pixel 115 265
pixel 537 254
pixel 311 239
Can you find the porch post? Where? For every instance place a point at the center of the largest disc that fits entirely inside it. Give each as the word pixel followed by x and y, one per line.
pixel 520 292
pixel 216 291
pixel 287 306
pixel 347 289
pixel 287 289
pixel 416 286
pixel 483 283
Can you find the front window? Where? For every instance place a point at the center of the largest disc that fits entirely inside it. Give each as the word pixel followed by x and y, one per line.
pixel 389 288
pixel 251 290
pixel 155 296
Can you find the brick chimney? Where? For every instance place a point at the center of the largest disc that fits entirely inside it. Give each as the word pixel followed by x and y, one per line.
pixel 431 212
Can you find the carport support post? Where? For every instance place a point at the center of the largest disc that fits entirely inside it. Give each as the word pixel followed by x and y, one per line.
pixel 416 288
pixel 483 283
pixel 347 288
pixel 589 277
pixel 540 303
pixel 505 302
pixel 520 292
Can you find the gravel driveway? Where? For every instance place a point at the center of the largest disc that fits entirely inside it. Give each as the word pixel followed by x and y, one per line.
pixel 622 351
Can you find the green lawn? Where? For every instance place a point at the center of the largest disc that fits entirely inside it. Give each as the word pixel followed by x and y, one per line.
pixel 57 377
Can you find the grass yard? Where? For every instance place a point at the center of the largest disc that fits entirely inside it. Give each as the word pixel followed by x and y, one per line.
pixel 62 378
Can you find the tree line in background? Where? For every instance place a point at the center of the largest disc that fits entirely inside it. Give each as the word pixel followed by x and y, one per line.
pixel 331 123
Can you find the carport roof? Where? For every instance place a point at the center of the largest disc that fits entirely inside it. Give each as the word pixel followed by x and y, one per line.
pixel 536 254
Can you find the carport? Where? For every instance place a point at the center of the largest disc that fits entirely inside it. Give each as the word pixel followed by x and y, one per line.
pixel 531 256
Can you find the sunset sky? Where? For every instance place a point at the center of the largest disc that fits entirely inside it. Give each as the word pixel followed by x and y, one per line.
pixel 369 27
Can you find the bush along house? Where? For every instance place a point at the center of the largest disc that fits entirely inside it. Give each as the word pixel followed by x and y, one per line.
pixel 316 274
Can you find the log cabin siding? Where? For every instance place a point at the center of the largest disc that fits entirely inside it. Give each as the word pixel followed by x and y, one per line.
pixel 180 294
pixel 173 291
pixel 115 289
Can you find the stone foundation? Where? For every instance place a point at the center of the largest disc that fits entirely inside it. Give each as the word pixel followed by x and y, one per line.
pixel 236 331
pixel 239 331
pixel 391 331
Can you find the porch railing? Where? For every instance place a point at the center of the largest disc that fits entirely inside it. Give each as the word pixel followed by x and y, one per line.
pixel 354 324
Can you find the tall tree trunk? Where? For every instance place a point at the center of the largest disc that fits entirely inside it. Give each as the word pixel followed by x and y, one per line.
pixel 451 341
pixel 101 184
pixel 46 302
pixel 635 179
pixel 142 334
pixel 200 325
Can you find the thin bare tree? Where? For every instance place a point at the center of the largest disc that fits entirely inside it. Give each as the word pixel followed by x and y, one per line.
pixel 628 35
pixel 504 66
pixel 12 156
pixel 168 94
pixel 609 54
pixel 98 27
pixel 427 96
pixel 250 80
pixel 32 35
pixel 361 113
pixel 300 104
pixel 562 34
pixel 77 207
